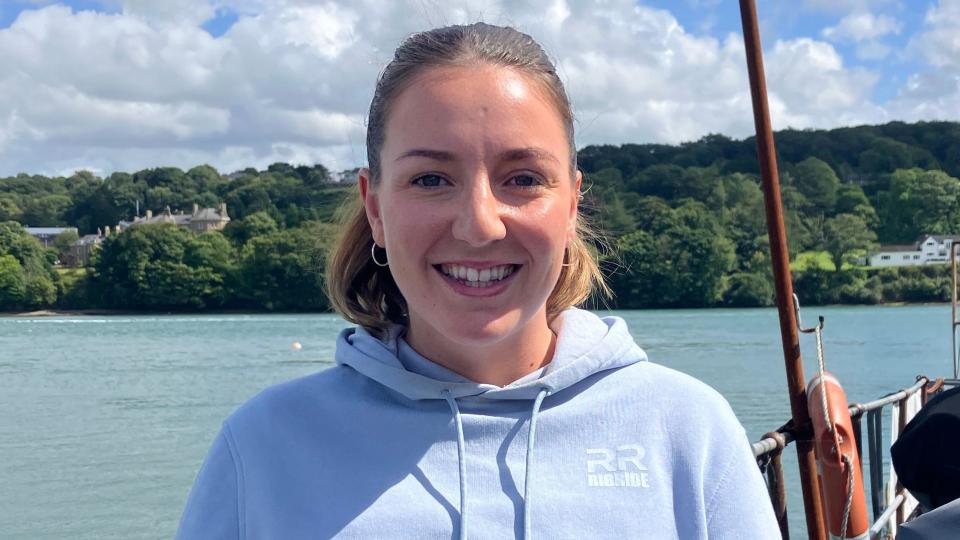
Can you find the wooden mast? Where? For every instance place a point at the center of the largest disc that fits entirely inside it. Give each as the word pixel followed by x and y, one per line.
pixel 783 285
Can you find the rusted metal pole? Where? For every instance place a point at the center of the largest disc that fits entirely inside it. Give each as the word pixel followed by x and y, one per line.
pixel 810 483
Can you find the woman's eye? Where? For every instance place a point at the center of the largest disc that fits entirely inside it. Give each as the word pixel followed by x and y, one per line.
pixel 525 181
pixel 430 181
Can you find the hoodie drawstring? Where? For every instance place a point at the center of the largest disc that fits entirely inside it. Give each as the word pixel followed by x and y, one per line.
pixel 531 439
pixel 455 409
pixel 461 446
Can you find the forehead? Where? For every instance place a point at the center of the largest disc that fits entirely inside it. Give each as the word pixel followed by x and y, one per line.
pixel 474 108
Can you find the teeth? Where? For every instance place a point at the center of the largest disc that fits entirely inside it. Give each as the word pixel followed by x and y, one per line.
pixel 476 277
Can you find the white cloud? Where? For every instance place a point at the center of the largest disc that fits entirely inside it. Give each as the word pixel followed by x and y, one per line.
pixel 846 6
pixel 939 44
pixel 934 93
pixel 862 26
pixel 292 79
pixel 866 30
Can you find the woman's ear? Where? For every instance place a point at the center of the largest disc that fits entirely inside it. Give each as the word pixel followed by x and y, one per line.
pixel 371 205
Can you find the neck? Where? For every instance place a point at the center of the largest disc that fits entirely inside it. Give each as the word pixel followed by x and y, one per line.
pixel 498 362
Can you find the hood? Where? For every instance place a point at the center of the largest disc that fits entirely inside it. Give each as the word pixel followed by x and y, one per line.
pixel 586 344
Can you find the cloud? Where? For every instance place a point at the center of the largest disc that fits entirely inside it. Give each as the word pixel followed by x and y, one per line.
pixel 291 80
pixel 846 6
pixel 862 26
pixel 934 93
pixel 865 29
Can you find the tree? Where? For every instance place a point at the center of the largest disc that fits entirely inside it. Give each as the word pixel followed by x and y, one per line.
pixel 9 209
pixel 64 240
pixel 919 202
pixel 615 219
pixel 39 278
pixel 680 262
pixel 163 267
pixel 749 289
pixel 845 235
pixel 281 271
pixel 13 282
pixel 47 211
pixel 252 226
pixel 818 183
pixel 852 200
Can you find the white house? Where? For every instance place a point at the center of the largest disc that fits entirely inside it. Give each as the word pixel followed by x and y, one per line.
pixel 928 249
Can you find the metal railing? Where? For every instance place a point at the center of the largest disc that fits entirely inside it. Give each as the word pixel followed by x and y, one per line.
pixel 768 452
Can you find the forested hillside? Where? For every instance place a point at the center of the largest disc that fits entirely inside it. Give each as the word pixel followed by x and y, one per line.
pixel 684 223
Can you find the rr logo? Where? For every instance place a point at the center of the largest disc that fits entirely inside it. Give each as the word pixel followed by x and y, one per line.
pixel 603 458
pixel 619 467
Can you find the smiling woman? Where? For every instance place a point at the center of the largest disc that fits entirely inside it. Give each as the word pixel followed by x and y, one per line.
pixel 462 263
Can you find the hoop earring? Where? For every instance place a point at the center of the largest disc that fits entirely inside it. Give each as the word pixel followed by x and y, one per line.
pixel 566 253
pixel 373 255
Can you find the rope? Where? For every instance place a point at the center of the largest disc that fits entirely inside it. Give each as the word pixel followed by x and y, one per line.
pixel 845 459
pixel 846 507
pixel 817 331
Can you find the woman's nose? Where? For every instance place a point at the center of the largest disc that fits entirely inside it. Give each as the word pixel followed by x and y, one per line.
pixel 479 220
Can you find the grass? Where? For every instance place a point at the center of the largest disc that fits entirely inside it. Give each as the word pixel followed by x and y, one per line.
pixel 809 260
pixel 70 276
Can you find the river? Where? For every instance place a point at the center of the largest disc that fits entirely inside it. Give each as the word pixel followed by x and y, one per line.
pixel 104 420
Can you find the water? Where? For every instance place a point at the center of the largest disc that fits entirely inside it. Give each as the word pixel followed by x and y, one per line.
pixel 105 420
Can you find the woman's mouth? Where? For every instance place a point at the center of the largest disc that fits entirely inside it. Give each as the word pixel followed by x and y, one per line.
pixel 478 278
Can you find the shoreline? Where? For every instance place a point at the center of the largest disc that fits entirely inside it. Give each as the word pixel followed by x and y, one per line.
pixel 117 312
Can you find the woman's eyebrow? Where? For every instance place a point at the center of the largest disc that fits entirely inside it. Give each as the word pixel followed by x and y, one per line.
pixel 513 154
pixel 531 152
pixel 438 155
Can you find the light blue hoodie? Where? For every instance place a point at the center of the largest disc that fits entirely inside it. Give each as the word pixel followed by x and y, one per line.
pixel 598 444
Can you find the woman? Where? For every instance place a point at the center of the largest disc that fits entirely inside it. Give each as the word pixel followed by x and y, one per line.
pixel 473 399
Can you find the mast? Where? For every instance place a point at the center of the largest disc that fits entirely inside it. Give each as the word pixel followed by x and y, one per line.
pixel 783 285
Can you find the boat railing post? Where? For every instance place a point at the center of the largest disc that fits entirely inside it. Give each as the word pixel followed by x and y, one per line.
pixel 954 247
pixel 857 420
pixel 875 448
pixel 901 424
pixel 775 485
pixel 783 286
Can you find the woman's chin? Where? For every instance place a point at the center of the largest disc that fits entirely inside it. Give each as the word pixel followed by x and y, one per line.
pixel 469 330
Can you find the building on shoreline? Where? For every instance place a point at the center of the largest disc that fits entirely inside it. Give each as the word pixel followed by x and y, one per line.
pixel 199 221
pixel 927 249
pixel 79 253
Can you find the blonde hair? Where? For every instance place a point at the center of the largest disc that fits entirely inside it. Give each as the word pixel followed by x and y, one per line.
pixel 365 293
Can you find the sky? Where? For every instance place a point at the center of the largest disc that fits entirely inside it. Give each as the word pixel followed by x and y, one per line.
pixel 122 85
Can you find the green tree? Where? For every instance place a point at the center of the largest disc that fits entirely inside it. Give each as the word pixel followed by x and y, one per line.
pixel 919 202
pixel 64 240
pixel 749 289
pixel 282 271
pixel 817 181
pixel 13 283
pixel 9 208
pixel 615 219
pixel 252 226
pixel 162 267
pixel 39 278
pixel 46 211
pixel 681 262
pixel 845 235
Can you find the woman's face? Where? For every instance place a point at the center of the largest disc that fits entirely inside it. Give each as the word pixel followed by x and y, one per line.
pixel 475 204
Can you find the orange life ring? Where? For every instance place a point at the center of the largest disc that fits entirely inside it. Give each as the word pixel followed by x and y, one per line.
pixel 837 457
